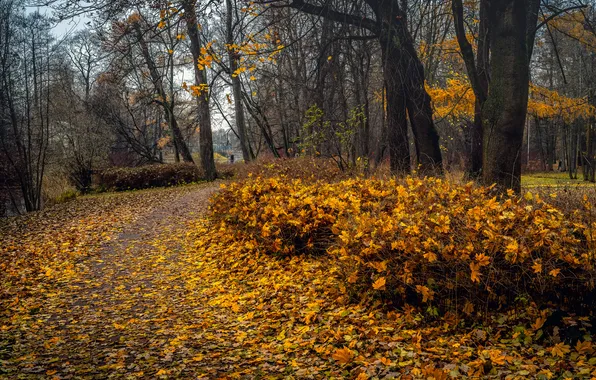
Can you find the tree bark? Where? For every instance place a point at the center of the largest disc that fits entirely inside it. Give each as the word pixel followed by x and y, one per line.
pixel 417 100
pixel 236 86
pixel 204 113
pixel 504 113
pixel 397 124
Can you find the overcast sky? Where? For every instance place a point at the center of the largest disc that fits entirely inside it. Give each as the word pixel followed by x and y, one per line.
pixel 63 28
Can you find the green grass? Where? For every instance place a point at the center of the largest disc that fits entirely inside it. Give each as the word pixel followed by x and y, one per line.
pixel 552 179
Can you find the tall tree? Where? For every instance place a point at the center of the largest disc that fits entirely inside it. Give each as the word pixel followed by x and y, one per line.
pixel 231 10
pixel 404 79
pixel 167 102
pixel 204 113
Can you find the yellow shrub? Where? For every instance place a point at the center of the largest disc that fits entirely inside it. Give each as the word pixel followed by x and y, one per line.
pixel 424 241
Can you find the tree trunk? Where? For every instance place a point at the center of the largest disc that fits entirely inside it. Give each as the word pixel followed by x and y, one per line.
pixel 504 113
pixel 159 88
pixel 397 124
pixel 404 79
pixel 426 138
pixel 477 70
pixel 204 113
pixel 236 85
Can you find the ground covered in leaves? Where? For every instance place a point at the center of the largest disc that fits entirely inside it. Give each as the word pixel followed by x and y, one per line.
pixel 138 285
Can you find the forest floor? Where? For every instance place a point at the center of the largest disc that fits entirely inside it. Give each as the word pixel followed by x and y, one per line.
pixel 111 286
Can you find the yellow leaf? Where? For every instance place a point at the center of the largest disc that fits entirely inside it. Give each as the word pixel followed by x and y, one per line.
pixel 427 294
pixel 559 349
pixel 118 326
pixel 537 266
pixel 475 275
pixel 583 347
pixel 379 284
pixel 343 355
pixel 329 58
pixel 482 260
pixel 497 357
pixel 252 77
pixel 235 308
pixel 161 372
pixel 554 272
pixel 529 196
pixel 430 257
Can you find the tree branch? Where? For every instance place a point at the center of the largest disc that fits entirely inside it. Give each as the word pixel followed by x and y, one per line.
pixel 330 14
pixel 557 14
pixel 467 51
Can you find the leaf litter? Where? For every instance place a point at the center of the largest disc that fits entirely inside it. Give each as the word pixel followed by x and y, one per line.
pixel 140 286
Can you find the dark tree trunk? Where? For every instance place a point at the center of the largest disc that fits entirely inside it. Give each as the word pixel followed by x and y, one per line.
pixel 404 78
pixel 504 113
pixel 426 138
pixel 204 113
pixel 397 124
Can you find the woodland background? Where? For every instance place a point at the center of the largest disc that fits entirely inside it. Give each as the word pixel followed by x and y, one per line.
pixel 360 82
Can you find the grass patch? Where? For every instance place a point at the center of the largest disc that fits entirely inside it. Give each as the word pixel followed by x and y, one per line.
pixel 551 179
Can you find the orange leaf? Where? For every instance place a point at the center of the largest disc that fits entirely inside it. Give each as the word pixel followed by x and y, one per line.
pixel 468 308
pixel 554 272
pixel 482 260
pixel 386 361
pixel 497 357
pixel 583 347
pixel 379 284
pixel 475 276
pixel 539 322
pixel 559 349
pixel 427 294
pixel 343 355
pixel 537 266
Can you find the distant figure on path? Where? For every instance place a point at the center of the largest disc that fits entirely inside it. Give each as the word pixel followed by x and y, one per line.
pixel 231 158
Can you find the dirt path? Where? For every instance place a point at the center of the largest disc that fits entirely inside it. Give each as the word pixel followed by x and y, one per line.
pixel 127 312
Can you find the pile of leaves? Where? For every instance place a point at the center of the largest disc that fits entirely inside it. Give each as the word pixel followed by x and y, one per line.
pixel 148 176
pixel 450 247
pixel 272 251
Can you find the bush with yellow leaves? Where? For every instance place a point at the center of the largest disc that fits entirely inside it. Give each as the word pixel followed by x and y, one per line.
pixel 420 241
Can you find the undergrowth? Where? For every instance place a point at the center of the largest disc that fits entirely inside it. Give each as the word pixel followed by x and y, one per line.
pixel 432 243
